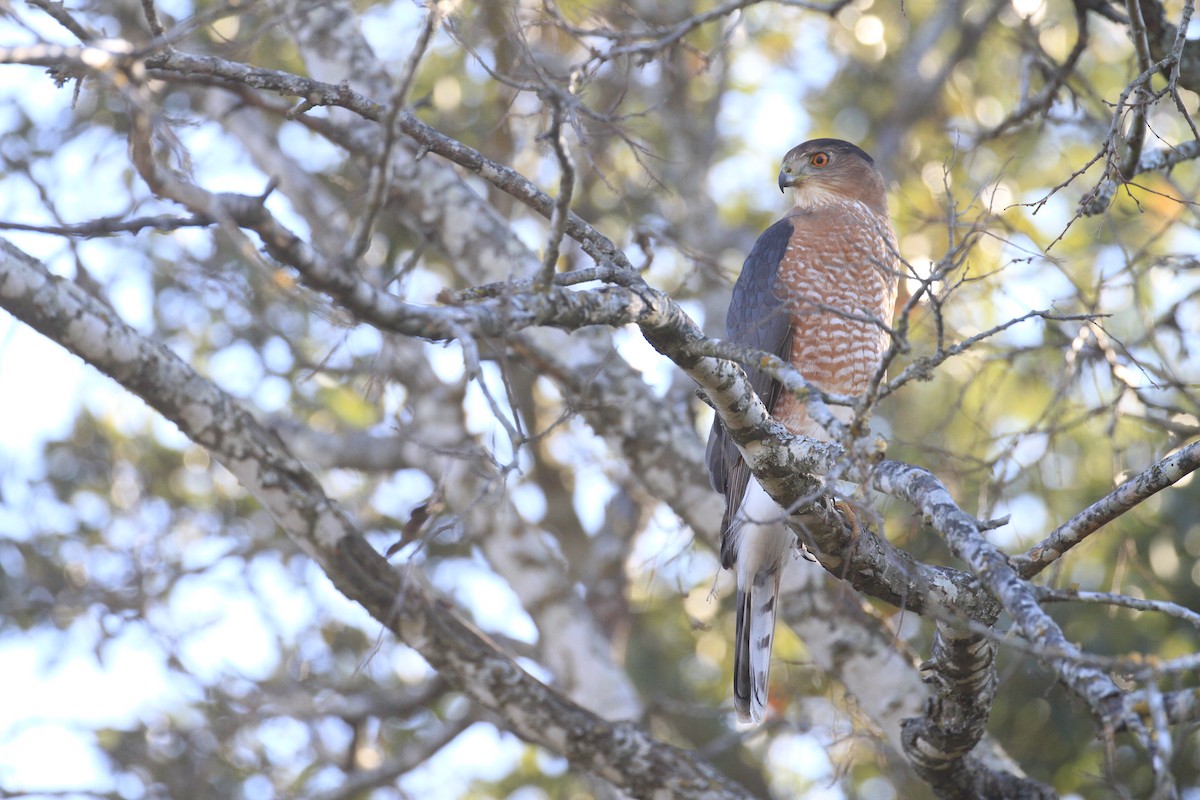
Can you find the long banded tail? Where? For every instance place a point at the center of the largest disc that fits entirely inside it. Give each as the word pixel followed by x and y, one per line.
pixel 756 610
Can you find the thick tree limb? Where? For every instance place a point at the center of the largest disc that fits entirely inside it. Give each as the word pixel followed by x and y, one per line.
pixel 962 675
pixel 619 752
pixel 962 534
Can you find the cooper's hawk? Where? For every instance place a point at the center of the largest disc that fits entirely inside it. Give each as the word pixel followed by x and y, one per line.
pixel 817 289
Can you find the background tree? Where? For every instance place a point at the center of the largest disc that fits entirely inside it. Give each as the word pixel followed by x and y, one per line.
pixel 421 292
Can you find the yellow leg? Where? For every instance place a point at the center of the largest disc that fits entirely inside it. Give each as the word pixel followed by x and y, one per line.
pixel 849 516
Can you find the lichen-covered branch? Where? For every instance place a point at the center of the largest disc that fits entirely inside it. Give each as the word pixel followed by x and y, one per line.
pixel 1129 494
pixel 621 753
pixel 961 673
pixel 961 531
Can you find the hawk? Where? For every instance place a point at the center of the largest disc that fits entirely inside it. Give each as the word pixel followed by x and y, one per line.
pixel 818 290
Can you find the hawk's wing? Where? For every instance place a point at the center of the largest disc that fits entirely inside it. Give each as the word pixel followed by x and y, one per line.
pixel 760 319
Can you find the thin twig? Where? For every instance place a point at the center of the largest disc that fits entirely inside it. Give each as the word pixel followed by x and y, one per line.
pixel 1124 601
pixel 1041 102
pixel 922 368
pixel 381 170
pixel 474 371
pixel 107 226
pixel 1136 137
pixel 152 20
pixel 566 185
pixel 61 15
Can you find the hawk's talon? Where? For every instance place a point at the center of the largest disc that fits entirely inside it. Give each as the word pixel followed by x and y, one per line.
pixel 849 517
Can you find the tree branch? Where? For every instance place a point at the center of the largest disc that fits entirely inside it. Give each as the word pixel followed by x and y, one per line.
pixel 962 674
pixel 621 753
pixel 1126 496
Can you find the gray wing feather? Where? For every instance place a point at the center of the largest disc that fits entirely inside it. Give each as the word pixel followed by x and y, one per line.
pixel 758 318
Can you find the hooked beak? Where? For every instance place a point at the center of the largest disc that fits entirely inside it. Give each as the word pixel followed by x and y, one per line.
pixel 787 178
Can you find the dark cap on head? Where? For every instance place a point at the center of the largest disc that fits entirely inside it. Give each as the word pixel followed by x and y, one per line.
pixel 834 145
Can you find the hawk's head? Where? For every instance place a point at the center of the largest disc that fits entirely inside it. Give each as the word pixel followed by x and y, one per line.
pixel 825 170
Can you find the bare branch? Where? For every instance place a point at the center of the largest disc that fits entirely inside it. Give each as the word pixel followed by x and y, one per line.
pixel 566 185
pixel 619 752
pixel 922 368
pixel 380 177
pixel 1033 105
pixel 109 226
pixel 151 13
pixel 1126 496
pixel 59 12
pixel 1124 601
pixel 962 535
pixel 1179 708
pixel 409 758
pixel 1136 134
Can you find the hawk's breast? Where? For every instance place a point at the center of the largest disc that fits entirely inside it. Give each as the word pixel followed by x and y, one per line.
pixel 838 278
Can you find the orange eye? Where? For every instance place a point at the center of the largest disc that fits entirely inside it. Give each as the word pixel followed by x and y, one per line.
pixel 818 159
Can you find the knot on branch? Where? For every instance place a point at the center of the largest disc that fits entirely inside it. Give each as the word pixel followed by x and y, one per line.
pixel 962 676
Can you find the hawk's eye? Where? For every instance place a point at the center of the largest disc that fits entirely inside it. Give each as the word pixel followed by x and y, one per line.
pixel 818 159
